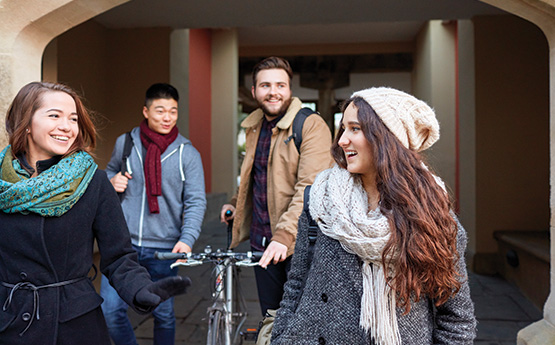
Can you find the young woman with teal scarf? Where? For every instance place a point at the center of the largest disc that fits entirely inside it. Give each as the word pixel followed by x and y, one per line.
pixel 55 203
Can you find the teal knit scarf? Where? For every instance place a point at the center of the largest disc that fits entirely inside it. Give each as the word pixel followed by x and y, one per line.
pixel 52 193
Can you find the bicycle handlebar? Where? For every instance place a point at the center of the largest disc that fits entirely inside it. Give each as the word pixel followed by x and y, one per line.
pixel 195 259
pixel 169 256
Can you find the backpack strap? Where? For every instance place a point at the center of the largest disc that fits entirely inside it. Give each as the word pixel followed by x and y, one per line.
pixel 312 226
pixel 298 123
pixel 127 146
pixel 312 235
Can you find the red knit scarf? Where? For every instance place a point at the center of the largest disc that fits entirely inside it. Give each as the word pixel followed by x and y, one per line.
pixel 155 144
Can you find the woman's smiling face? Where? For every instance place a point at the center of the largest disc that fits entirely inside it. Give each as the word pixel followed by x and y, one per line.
pixel 358 151
pixel 54 127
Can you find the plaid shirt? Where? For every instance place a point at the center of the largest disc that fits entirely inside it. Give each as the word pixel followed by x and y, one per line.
pixel 261 232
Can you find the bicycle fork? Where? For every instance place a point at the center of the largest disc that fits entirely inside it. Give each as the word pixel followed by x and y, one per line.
pixel 226 298
pixel 229 303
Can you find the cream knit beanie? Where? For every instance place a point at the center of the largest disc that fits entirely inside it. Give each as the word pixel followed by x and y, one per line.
pixel 411 120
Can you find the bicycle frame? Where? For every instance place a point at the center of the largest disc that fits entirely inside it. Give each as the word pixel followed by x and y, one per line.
pixel 229 304
pixel 223 300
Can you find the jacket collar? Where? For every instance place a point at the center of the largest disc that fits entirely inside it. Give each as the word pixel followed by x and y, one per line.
pixel 256 116
pixel 40 165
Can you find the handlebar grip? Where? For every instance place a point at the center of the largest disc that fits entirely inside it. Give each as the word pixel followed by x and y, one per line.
pixel 257 256
pixel 228 214
pixel 170 256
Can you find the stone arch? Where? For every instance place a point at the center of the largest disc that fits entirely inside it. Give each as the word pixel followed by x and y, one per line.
pixel 27 26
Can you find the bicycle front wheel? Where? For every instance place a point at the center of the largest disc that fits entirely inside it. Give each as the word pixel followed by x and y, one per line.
pixel 216 328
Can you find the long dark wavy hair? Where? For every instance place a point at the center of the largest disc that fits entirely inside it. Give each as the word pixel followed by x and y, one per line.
pixel 423 238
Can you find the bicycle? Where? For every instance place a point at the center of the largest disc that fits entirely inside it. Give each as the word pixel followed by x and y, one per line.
pixel 227 313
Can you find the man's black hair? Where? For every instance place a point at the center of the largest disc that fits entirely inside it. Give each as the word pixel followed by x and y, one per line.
pixel 160 91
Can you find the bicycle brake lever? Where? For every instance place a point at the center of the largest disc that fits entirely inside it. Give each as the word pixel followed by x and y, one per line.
pixel 189 263
pixel 246 263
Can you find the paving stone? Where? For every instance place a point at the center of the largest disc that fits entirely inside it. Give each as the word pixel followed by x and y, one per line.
pixel 497 330
pixel 144 330
pixel 502 308
pixel 190 332
pixel 529 308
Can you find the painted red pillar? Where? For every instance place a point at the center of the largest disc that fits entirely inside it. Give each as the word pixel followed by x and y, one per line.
pixel 200 100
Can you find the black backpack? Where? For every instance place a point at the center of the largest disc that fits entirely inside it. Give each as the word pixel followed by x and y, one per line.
pixel 298 123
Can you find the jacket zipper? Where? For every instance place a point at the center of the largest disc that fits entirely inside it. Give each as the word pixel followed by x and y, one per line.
pixel 142 215
pixel 143 201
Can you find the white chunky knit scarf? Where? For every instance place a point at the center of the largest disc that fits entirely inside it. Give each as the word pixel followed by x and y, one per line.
pixel 339 203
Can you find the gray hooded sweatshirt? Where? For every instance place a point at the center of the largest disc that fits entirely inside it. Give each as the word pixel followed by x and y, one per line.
pixel 183 200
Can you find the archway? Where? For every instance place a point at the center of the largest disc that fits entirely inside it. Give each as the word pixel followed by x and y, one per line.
pixel 27 26
pixel 541 13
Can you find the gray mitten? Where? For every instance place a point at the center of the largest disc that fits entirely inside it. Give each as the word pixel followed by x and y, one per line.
pixel 157 292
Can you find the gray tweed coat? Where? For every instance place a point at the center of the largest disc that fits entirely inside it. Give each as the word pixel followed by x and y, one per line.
pixel 329 309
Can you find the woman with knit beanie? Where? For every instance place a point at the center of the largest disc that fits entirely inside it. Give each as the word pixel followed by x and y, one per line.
pixel 388 265
pixel 55 203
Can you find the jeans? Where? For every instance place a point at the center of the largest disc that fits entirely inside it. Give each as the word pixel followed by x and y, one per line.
pixel 270 282
pixel 115 309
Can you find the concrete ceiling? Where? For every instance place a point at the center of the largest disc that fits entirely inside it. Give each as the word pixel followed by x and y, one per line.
pixel 296 22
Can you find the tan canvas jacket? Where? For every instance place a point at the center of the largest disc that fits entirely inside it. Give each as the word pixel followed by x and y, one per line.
pixel 288 173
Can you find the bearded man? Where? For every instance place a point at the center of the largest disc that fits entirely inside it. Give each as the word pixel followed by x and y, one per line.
pixel 274 174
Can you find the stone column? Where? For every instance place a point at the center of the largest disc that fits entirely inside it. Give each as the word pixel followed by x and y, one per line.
pixel 326 101
pixel 225 84
pixel 179 75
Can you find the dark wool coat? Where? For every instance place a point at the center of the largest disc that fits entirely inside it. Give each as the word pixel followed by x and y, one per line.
pixel 329 309
pixel 46 250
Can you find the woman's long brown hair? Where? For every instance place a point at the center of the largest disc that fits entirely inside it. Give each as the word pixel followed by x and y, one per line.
pixel 423 239
pixel 25 104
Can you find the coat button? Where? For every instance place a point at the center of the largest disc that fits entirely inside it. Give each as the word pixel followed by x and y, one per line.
pixel 26 316
pixel 324 297
pixel 23 275
pixel 321 341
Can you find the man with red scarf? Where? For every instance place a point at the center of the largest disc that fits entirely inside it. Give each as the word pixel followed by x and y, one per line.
pixel 163 199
